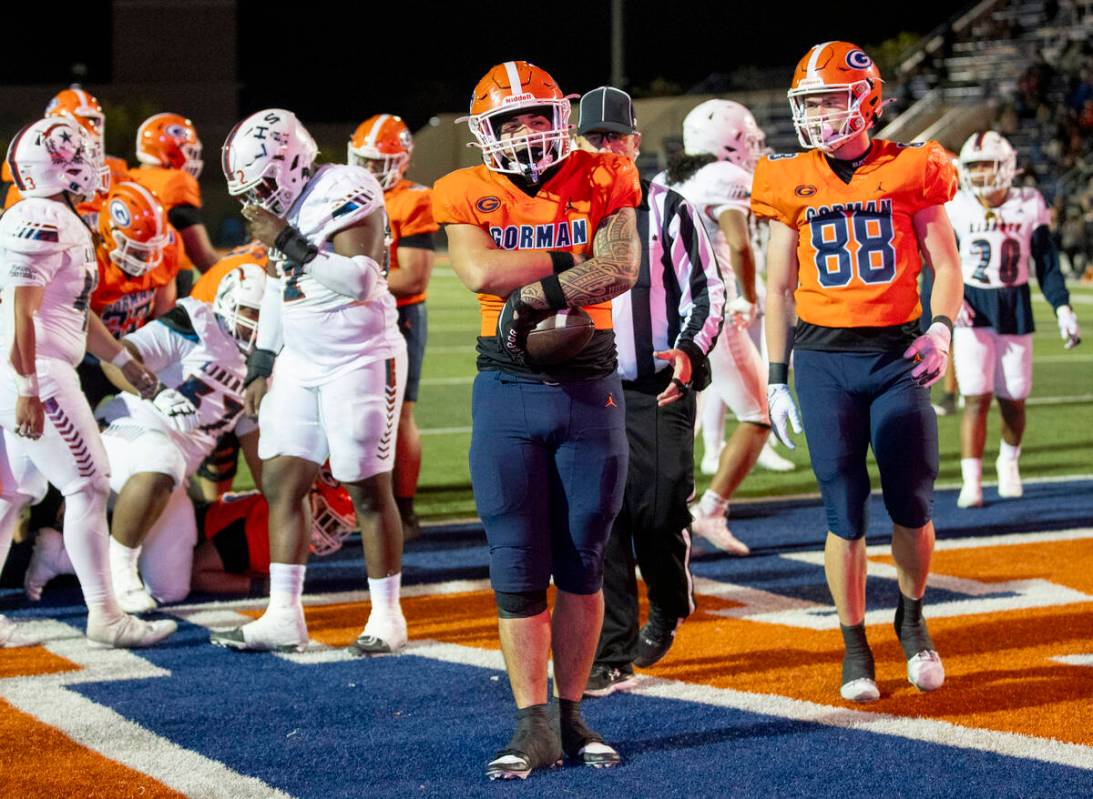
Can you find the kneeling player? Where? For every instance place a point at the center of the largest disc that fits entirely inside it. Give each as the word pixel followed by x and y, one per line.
pixel 999 229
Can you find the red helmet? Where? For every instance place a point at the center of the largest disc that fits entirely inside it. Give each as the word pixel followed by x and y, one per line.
pixel 834 69
pixel 519 87
pixel 332 515
pixel 133 225
pixel 170 141
pixel 382 144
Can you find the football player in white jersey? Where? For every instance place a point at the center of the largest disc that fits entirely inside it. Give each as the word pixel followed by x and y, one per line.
pixel 338 382
pixel 199 351
pixel 721 144
pixel 1000 229
pixel 49 433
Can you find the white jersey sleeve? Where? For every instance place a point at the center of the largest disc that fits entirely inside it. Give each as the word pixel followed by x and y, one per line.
pixel 44 243
pixel 160 343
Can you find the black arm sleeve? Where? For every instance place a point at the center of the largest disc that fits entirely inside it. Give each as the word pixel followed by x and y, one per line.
pixel 1048 273
pixel 419 241
pixel 184 216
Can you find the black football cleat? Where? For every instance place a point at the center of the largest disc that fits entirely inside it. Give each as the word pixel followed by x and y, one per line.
pixel 535 744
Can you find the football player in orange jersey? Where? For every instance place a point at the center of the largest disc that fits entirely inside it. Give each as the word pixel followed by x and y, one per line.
pixel 383 144
pixel 535 230
pixel 78 105
pixel 848 219
pixel 169 153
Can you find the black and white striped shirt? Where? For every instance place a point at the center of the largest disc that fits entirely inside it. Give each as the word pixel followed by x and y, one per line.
pixel 679 296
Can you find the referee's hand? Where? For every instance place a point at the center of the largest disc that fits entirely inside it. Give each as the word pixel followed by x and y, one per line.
pixel 681 376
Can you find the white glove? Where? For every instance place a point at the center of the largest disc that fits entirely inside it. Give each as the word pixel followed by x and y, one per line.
pixel 965 317
pixel 1068 327
pixel 741 312
pixel 931 352
pixel 179 412
pixel 782 408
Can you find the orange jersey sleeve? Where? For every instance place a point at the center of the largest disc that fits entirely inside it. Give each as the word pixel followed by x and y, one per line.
pixel 857 252
pixel 171 186
pixel 205 287
pixel 409 213
pixel 564 215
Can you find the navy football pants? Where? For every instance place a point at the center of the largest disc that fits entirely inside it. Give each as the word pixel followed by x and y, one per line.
pixel 851 400
pixel 548 468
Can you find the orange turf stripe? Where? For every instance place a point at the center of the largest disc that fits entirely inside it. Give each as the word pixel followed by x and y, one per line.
pixel 31 661
pixel 37 760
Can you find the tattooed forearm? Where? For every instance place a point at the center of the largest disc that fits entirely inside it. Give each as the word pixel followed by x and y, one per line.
pixel 612 270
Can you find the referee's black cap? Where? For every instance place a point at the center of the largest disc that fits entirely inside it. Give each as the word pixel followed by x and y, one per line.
pixel 607 108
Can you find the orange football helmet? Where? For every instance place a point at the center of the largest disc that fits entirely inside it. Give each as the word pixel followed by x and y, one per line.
pixel 332 515
pixel 133 225
pixel 80 106
pixel 841 69
pixel 382 144
pixel 170 141
pixel 519 87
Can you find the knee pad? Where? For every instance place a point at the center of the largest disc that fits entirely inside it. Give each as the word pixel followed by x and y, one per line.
pixel 520 604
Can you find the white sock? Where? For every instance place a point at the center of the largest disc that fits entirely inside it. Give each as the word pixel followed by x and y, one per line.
pixel 123 561
pixel 1008 452
pixel 86 536
pixel 384 592
pixel 286 585
pixel 971 469
pixel 713 504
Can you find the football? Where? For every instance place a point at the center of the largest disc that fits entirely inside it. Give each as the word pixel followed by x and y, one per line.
pixel 560 336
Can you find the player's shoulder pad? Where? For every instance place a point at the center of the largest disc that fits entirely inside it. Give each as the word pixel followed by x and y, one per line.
pixel 178 320
pixel 345 191
pixel 37 225
pixel 723 180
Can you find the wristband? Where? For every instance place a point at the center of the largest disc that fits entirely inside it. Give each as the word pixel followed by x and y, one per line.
pixel 561 261
pixel 26 385
pixel 945 321
pixel 553 294
pixel 295 247
pixel 259 364
pixel 122 358
pixel 778 373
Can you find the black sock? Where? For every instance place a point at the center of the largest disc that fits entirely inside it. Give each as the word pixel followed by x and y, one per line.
pixel 911 627
pixel 536 736
pixel 858 658
pixel 575 733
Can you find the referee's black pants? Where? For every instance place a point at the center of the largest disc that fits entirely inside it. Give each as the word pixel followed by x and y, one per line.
pixel 650 530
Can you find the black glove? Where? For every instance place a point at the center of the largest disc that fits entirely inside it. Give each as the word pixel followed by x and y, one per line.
pixel 516 320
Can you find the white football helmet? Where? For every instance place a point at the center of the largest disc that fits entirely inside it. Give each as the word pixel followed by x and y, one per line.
pixel 725 130
pixel 988 147
pixel 53 155
pixel 242 287
pixel 267 158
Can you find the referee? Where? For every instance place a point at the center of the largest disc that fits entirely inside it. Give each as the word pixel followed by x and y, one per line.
pixel 664 327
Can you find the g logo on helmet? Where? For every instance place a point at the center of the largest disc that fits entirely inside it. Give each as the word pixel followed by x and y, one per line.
pixel 857 59
pixel 175 131
pixel 119 214
pixel 488 204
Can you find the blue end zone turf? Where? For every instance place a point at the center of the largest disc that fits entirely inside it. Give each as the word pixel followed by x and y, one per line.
pixel 412 726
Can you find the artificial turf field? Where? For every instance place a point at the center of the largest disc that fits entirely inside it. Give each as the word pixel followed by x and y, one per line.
pixel 745 705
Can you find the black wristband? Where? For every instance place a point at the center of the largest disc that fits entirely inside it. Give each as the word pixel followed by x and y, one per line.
pixel 945 321
pixel 295 247
pixel 553 294
pixel 778 373
pixel 259 364
pixel 561 261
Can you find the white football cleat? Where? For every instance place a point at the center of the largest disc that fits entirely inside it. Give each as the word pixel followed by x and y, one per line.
pixel 281 631
pixel 715 529
pixel 770 460
pixel 861 690
pixel 971 496
pixel 1009 478
pixel 925 672
pixel 126 632
pixel 136 600
pixel 45 562
pixel 381 636
pixel 10 637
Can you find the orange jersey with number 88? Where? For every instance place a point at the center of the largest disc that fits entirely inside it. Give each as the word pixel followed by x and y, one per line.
pixel 857 253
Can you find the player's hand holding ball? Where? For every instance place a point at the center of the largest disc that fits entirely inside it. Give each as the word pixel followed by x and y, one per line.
pixel 515 321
